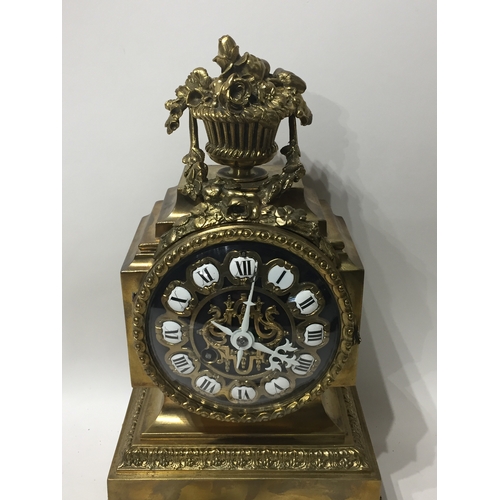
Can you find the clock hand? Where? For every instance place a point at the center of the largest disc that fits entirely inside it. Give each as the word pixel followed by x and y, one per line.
pixel 246 318
pixel 244 338
pixel 239 357
pixel 227 331
pixel 223 329
pixel 289 360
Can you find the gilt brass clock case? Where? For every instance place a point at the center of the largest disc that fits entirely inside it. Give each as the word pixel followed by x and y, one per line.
pixel 242 294
pixel 177 257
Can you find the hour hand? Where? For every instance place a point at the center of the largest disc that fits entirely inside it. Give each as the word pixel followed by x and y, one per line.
pixel 222 328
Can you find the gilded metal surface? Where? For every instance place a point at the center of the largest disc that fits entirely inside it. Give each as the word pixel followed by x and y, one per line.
pixel 249 457
pixel 168 450
pixel 252 369
pixel 249 233
pixel 242 108
pixel 205 216
pixel 171 467
pixel 241 111
pixel 177 205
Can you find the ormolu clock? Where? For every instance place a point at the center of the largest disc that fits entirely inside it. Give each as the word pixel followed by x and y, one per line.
pixel 242 296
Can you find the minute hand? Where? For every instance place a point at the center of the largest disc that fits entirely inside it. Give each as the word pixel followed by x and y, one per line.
pixel 288 359
pixel 246 318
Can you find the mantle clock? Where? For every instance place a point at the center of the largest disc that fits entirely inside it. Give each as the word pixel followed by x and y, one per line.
pixel 242 294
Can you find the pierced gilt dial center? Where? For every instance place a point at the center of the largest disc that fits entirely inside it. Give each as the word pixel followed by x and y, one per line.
pixel 242 340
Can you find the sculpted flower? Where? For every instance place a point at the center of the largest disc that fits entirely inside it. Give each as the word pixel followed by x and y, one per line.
pixel 238 208
pixel 287 216
pixel 194 92
pixel 234 93
pixel 176 108
pixel 265 91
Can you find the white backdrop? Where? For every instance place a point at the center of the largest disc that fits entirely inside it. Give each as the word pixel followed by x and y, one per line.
pixel 370 67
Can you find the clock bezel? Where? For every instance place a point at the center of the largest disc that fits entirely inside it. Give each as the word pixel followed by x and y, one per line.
pixel 310 253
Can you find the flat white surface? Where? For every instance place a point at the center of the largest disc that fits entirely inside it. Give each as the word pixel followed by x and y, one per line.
pixel 370 68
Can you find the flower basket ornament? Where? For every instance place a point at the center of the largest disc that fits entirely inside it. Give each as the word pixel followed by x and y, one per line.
pixel 241 111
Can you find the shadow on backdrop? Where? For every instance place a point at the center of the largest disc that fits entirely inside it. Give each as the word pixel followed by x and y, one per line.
pixel 348 199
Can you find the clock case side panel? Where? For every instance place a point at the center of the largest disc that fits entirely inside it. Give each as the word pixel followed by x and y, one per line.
pixel 351 271
pixel 138 262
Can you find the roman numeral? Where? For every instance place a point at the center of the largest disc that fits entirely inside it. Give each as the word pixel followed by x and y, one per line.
pixel 278 387
pixel 182 363
pixel 171 334
pixel 314 336
pixel 243 393
pixel 304 365
pixel 205 275
pixel 306 303
pixel 207 385
pixel 281 277
pixel 244 267
pixel 179 299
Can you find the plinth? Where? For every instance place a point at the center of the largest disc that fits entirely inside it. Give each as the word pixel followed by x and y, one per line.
pixel 321 452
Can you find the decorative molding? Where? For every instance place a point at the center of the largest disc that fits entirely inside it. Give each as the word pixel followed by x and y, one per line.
pixel 352 415
pixel 135 420
pixel 240 209
pixel 338 458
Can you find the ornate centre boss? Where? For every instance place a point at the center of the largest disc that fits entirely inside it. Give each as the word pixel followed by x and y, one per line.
pixel 242 295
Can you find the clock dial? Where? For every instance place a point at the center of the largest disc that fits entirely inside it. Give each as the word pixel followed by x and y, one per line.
pixel 244 329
